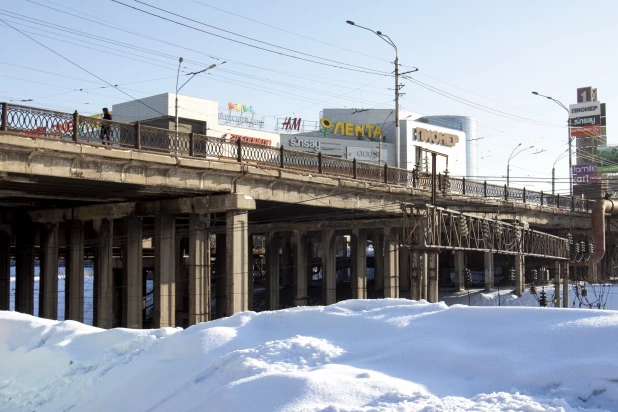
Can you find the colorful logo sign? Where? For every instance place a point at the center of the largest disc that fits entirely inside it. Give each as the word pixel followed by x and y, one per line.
pixel 327 126
pixel 239 107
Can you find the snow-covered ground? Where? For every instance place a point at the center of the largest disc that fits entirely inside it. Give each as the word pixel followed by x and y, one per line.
pixel 372 355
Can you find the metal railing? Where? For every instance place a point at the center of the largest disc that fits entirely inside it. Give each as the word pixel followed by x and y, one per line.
pixel 46 123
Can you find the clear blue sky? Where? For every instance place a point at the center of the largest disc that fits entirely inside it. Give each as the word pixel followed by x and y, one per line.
pixel 493 53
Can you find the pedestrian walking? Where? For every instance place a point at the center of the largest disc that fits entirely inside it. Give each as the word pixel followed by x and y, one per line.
pixel 105 128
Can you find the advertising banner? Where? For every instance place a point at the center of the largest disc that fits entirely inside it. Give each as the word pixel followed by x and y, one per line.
pixel 584 174
pixel 365 154
pixel 586 121
pixel 584 109
pixel 586 131
pixel 607 159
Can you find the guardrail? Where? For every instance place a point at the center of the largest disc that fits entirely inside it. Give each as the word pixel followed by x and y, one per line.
pixel 46 123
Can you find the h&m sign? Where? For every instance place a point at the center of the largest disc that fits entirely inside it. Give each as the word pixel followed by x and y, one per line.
pixel 431 136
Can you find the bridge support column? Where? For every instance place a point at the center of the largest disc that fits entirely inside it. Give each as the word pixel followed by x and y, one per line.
pixel 329 267
pixel 378 264
pixel 181 278
pixel 272 271
pixel 132 297
pixel 300 266
pixel 419 271
pixel 164 283
pixel 404 269
pixel 199 270
pixel 565 284
pixel 48 284
pixel 557 283
pixel 286 261
pixel 593 272
pixel 520 269
pixel 103 275
pixel 220 274
pixel 459 271
pixel 250 247
pixel 359 264
pixel 5 270
pixel 24 268
pixel 74 282
pixel 488 259
pixel 237 265
pixel 432 278
pixel 391 263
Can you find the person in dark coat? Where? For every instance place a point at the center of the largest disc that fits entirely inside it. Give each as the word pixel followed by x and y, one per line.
pixel 105 128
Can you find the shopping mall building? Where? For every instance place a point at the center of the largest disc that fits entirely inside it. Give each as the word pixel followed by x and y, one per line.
pixel 367 135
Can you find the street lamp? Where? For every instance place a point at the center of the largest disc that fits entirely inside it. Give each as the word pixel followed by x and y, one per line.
pixel 559 103
pixel 508 163
pixel 553 172
pixel 193 74
pixel 397 87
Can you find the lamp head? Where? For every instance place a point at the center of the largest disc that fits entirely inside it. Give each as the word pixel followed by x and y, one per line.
pixel 379 33
pixel 535 93
pixel 180 60
pixel 350 22
pixel 211 66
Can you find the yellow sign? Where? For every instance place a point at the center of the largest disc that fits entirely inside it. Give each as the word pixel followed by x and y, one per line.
pixel 430 136
pixel 371 131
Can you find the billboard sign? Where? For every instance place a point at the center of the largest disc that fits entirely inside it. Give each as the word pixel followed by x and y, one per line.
pixel 586 131
pixel 365 154
pixel 584 109
pixel 584 174
pixel 586 121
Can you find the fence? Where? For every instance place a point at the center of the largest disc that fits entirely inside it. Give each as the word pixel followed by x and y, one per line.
pixel 46 123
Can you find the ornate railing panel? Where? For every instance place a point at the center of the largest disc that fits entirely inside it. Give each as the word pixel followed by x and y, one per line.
pixel 38 122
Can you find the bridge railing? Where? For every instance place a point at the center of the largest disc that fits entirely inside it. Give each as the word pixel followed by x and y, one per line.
pixel 47 123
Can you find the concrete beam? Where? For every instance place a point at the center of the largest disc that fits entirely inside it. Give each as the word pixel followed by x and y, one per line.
pixel 48 284
pixel 300 268
pixel 565 284
pixel 391 263
pixel 220 274
pixel 459 271
pixel 433 270
pixel 378 263
pixel 520 269
pixel 488 261
pixel 196 205
pixel 24 268
pixel 557 273
pixel 272 270
pixel 329 268
pixel 132 296
pixel 404 268
pixel 359 264
pixel 199 269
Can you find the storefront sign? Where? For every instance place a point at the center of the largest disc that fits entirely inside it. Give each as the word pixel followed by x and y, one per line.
pixel 584 109
pixel 248 139
pixel 313 144
pixel 365 154
pixel 584 174
pixel 371 131
pixel 586 121
pixel 290 124
pixel 586 131
pixel 431 136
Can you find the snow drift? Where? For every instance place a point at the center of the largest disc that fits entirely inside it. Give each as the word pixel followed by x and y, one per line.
pixel 368 355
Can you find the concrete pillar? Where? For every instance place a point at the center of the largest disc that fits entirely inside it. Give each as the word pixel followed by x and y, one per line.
pixel 378 264
pixel 5 270
pixel 300 267
pixel 459 271
pixel 565 284
pixel 557 283
pixel 329 267
pixel 250 247
pixel 199 270
pixel 220 274
pixel 48 283
pixel 404 269
pixel 417 269
pixel 286 261
pixel 237 266
pixel 103 275
pixel 432 277
pixel 24 268
pixel 391 263
pixel 488 259
pixel 592 274
pixel 520 269
pixel 272 271
pixel 132 297
pixel 179 276
pixel 74 281
pixel 164 283
pixel 359 264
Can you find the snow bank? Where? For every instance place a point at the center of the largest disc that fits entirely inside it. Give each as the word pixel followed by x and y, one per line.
pixel 368 355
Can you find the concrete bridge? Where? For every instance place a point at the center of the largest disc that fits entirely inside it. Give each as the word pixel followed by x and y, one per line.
pixel 125 194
